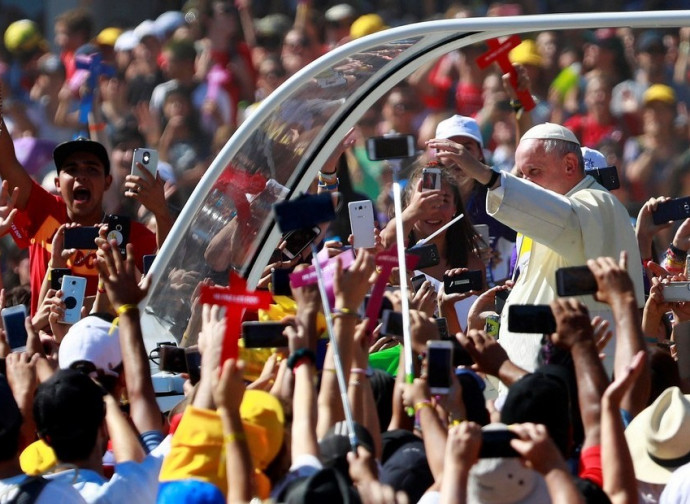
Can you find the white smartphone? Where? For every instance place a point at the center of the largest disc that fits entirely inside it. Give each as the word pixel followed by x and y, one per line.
pixel 439 365
pixel 148 158
pixel 362 223
pixel 73 289
pixel 431 179
pixel 13 319
pixel 676 291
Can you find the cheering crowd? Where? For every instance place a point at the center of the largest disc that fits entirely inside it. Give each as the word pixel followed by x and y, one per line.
pixel 592 408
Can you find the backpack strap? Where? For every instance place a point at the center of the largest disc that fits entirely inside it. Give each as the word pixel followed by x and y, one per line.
pixel 29 490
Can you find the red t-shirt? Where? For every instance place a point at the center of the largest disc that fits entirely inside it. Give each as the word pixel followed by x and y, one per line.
pixel 43 215
pixel 590 133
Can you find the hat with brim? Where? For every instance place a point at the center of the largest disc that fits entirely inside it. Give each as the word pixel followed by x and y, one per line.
pixel 81 144
pixel 459 126
pixel 593 159
pixel 550 131
pixel 660 93
pixel 659 437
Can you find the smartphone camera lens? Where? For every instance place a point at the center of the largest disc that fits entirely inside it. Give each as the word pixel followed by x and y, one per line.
pixel 146 157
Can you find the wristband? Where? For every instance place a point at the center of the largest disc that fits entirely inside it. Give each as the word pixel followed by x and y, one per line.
pixel 344 312
pixel 516 105
pixel 494 176
pixel 329 187
pixel 294 361
pixel 126 308
pixel 680 254
pixel 422 404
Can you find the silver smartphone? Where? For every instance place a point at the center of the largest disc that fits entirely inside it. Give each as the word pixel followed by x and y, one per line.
pixel 149 160
pixel 362 223
pixel 439 358
pixel 675 292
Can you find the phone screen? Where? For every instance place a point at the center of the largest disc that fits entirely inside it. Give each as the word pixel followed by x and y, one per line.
pixel 392 323
pixel 439 362
pixel 391 147
pixel 15 329
pixel 537 319
pixel 496 444
pixel 296 241
pixel 575 281
pixel 81 237
pixel 264 335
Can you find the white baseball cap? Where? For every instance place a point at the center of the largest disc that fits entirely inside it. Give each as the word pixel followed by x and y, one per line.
pixel 458 125
pixel 92 340
pixel 550 131
pixel 593 159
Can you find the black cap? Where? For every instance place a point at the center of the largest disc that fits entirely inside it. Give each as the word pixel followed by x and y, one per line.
pixel 81 144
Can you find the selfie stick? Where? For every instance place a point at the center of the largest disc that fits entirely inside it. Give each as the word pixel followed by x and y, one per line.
pixel 337 364
pixel 439 231
pixel 402 266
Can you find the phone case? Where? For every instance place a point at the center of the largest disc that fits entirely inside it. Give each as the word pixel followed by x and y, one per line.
pixel 305 211
pixel 362 223
pixel 428 255
pixel 575 281
pixel 676 291
pixel 13 319
pixel 431 179
pixel 390 147
pixel 536 319
pixel 56 275
pixel 299 239
pixel 81 237
pixel 118 229
pixel 465 282
pixel 391 323
pixel 672 210
pixel 73 288
pixel 148 158
pixel 439 355
pixel 264 335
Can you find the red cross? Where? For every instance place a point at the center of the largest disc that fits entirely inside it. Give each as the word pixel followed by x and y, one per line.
pixel 236 299
pixel 498 53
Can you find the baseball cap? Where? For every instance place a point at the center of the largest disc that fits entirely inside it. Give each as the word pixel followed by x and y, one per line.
pixel 366 25
pixel 550 131
pixel 340 12
pixel 659 92
pixel 335 445
pixel 526 53
pixel 108 36
pixel 81 144
pixel 24 36
pixel 50 64
pixel 593 158
pixel 458 125
pixel 263 417
pixel 146 28
pixel 169 21
pixel 651 41
pixel 126 41
pixel 91 340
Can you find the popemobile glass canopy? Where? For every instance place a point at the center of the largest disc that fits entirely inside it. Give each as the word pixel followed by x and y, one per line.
pixel 276 153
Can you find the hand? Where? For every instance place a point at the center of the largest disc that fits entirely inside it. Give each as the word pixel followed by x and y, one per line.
pixel 644 225
pixel 452 153
pixel 462 445
pixel 523 82
pixel 573 325
pixel 363 467
pixel 59 255
pixel 7 206
pixel 307 297
pixel 602 333
pixel 119 277
pixel 21 373
pixel 424 300
pixel 487 354
pixel 536 447
pixel 613 281
pixel 211 336
pixel 681 239
pixel 448 300
pixel 422 203
pixel 297 338
pixel 147 190
pixel 228 388
pixel 416 392
pixel 485 303
pixel 622 384
pixel 352 285
pixel 422 329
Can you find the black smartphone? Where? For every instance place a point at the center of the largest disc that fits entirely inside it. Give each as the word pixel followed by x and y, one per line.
pixel 14 321
pixel 468 281
pixel 500 300
pixel 607 177
pixel 148 261
pixel 305 211
pixel 386 304
pixel 392 323
pixel 56 275
pixel 81 237
pixel 280 282
pixel 299 239
pixel 575 281
pixel 264 334
pixel 496 444
pixel 193 361
pixel 172 359
pixel 537 319
pixel 460 356
pixel 428 255
pixel 391 147
pixel 118 230
pixel 672 210
pixel 417 282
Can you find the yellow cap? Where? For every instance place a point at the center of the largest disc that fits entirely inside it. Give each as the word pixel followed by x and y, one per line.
pixel 24 36
pixel 108 36
pixel 526 54
pixel 659 92
pixel 366 25
pixel 264 413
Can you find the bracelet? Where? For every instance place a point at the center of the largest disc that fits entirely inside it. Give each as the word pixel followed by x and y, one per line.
pixel 355 383
pixel 234 436
pixel 328 177
pixel 516 105
pixel 344 312
pixel 298 355
pixel 359 371
pixel 126 308
pixel 456 421
pixel 300 361
pixel 421 405
pixel 494 176
pixel 329 187
pixel 681 254
pixel 97 126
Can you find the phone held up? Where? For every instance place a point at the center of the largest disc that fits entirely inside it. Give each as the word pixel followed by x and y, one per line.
pixel 391 147
pixel 13 319
pixel 439 355
pixel 536 319
pixel 148 158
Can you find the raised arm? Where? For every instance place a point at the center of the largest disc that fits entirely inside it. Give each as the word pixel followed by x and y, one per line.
pixel 11 169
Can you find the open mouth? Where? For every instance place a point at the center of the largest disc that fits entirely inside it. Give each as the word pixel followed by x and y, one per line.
pixel 82 194
pixel 433 222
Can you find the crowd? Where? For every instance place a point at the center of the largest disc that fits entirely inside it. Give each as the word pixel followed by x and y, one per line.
pixel 593 409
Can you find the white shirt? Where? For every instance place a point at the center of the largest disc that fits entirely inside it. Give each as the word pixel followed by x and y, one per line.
pixel 55 492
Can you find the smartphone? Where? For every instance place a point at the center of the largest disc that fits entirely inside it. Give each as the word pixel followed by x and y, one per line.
pixel 537 319
pixel 439 358
pixel 676 291
pixel 460 356
pixel 280 282
pixel 81 237
pixel 172 359
pixel 148 158
pixel 193 361
pixel 672 210
pixel 418 281
pixel 73 289
pixel 500 300
pixel 391 147
pixel 468 281
pixel 299 239
pixel 431 179
pixel 264 334
pixel 391 323
pixel 575 281
pixel 428 255
pixel 362 223
pixel 148 261
pixel 483 231
pixel 118 230
pixel 496 444
pixel 304 212
pixel 56 275
pixel 13 319
pixel 607 177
